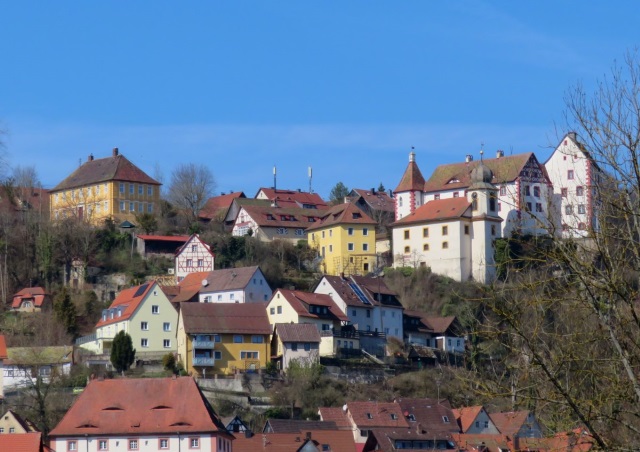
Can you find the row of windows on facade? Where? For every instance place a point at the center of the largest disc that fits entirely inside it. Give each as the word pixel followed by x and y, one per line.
pixel 305 345
pixel 564 192
pixel 350 247
pixel 136 206
pixel 445 231
pixel 217 354
pixel 271 217
pixel 350 231
pixel 141 189
pixel 285 231
pixel 117 312
pixel 163 444
pixel 237 338
pixel 144 343
pixel 82 193
pixel 33 372
pixel 568 209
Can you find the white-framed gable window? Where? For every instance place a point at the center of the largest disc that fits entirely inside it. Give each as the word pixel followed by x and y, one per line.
pixel 155 309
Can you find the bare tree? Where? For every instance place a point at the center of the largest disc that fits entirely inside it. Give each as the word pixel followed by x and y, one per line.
pixel 191 186
pixel 563 332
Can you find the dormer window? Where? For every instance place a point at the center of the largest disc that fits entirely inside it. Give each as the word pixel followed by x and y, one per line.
pixel 393 416
pixel 369 416
pixel 445 419
pixel 270 217
pixel 411 418
pixel 356 215
pixel 453 181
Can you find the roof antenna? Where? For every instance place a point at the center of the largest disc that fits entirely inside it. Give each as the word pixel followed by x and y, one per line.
pixel 274 178
pixel 310 179
pixel 481 149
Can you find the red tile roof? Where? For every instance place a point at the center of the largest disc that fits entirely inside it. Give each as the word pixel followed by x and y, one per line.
pixel 300 302
pixel 376 414
pixel 216 207
pixel 3 347
pixel 458 175
pixel 291 197
pixel 116 168
pixel 344 291
pixel 139 406
pixel 164 238
pixel 337 415
pixel 266 215
pixel 466 416
pixel 577 440
pixel 347 213
pixel 475 442
pixel 386 439
pixel 297 332
pixel 412 179
pixel 509 423
pixel 37 294
pixel 21 442
pixel 189 287
pixel 337 441
pixel 436 210
pixel 128 301
pixel 377 200
pixel 296 426
pixel 434 417
pixel 225 318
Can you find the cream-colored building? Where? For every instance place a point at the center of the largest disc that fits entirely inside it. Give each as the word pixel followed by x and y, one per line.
pixel 99 189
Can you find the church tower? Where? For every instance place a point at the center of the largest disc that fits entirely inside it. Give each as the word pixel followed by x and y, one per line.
pixel 408 193
pixel 485 223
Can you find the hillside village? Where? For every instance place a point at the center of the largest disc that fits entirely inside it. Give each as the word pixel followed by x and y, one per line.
pixel 282 291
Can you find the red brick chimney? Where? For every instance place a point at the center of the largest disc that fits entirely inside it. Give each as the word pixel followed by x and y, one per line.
pixel 115 152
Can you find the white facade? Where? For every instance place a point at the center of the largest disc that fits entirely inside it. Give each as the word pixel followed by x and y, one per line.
pixel 256 291
pixel 573 176
pixel 194 256
pixel 21 375
pixel 482 425
pixel 143 443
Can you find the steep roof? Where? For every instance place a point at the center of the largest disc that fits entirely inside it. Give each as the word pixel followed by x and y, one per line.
pixel 116 167
pixel 300 302
pixel 297 332
pixel 347 213
pixel 434 417
pixel 217 206
pixel 509 423
pixel 189 287
pixel 412 178
pixel 377 200
pixel 139 406
pixel 336 415
pixel 22 442
pixel 439 324
pixel 458 175
pixel 26 424
pixel 193 238
pixel 128 301
pixel 343 289
pixel 297 197
pixel 229 279
pixel 436 210
pixel 266 215
pixel 36 293
pixel 372 286
pixel 466 416
pixel 225 318
pixel 335 441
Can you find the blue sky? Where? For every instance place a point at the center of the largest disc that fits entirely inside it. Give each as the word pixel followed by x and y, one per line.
pixel 346 87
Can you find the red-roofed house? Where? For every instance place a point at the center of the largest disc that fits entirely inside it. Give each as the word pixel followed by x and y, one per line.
pixel 517 424
pixel 296 306
pixel 31 299
pixel 146 314
pixel 311 440
pixel 141 414
pixel 475 419
pixel 216 208
pixel 361 417
pixel 110 187
pixel 377 204
pixel 444 333
pixel 292 198
pixel 223 338
pixel 194 256
pixel 453 236
pixel 3 358
pixel 23 442
pixel 524 189
pixel 294 341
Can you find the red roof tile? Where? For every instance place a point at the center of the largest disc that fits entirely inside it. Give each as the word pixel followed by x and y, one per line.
pixel 412 178
pixel 376 414
pixel 106 169
pixel 300 302
pixel 509 423
pixel 347 213
pixel 577 440
pixel 432 416
pixel 128 300
pixel 21 442
pixel 189 287
pixel 297 332
pixel 337 441
pixel 475 442
pixel 225 318
pixel 385 439
pixel 337 415
pixel 216 207
pixel 37 294
pixel 139 406
pixel 436 210
pixel 377 200
pixel 266 215
pixel 466 416
pixel 300 198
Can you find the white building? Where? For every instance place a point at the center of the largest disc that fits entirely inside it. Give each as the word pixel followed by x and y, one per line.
pixel 574 175
pixel 524 188
pixel 25 364
pixel 193 256
pixel 453 236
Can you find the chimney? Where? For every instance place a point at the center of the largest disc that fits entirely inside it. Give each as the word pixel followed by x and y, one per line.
pixel 469 158
pixel 248 434
pixel 299 190
pixel 412 156
pixel 115 152
pixel 90 158
pixel 308 435
pixel 499 153
pixel 373 191
pixel 573 136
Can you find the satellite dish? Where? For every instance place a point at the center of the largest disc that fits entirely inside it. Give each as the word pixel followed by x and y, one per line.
pixel 205 283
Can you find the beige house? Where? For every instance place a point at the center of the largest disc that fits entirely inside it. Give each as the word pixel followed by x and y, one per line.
pixel 292 341
pixel 146 314
pixel 11 422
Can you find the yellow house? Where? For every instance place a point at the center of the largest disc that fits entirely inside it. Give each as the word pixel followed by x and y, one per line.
pixel 111 187
pixel 345 238
pixel 223 338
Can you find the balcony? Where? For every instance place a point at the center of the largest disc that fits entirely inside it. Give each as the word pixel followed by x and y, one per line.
pixel 198 361
pixel 202 344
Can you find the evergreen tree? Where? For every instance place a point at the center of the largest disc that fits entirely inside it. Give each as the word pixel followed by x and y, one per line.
pixel 65 311
pixel 338 193
pixel 122 352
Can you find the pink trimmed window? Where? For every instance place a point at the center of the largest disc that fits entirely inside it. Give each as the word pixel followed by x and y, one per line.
pixel 194 443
